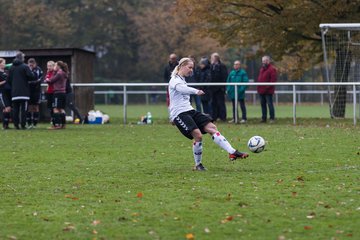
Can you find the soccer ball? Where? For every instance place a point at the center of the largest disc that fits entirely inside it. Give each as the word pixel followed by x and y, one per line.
pixel 256 144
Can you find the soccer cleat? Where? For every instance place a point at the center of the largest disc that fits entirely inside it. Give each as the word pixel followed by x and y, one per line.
pixel 54 128
pixel 199 167
pixel 237 154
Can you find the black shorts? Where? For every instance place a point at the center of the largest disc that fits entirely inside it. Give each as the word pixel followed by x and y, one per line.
pixel 49 100
pixel 59 100
pixel 186 122
pixel 5 98
pixel 34 97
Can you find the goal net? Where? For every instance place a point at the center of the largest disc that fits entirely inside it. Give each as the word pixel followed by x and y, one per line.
pixel 341 49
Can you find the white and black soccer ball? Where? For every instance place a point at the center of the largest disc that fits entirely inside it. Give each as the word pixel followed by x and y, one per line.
pixel 256 144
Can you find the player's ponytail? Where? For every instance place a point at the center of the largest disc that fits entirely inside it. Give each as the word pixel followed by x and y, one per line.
pixel 182 62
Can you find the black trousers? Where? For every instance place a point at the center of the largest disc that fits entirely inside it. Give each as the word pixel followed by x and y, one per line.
pixel 266 100
pixel 218 106
pixel 19 112
pixel 70 104
pixel 242 106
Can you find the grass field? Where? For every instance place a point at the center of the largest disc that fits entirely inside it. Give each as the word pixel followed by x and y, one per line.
pixel 135 182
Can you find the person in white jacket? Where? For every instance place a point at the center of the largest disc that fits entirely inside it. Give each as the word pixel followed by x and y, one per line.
pixel 191 123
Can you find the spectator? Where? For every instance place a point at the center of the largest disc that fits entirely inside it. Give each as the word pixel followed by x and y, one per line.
pixel 173 62
pixel 19 76
pixel 218 75
pixel 193 79
pixel 203 75
pixel 32 115
pixel 50 88
pixel 267 74
pixel 237 75
pixel 5 95
pixel 70 99
pixel 59 80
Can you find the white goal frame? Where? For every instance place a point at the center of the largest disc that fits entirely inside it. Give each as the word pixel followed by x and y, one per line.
pixel 338 26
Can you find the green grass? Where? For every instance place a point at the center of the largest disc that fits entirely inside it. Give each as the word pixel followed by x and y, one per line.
pixel 136 182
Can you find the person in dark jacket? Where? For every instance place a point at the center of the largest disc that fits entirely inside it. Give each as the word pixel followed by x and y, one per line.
pixel 32 116
pixel 267 74
pixel 59 104
pixel 5 95
pixel 204 76
pixel 70 100
pixel 169 68
pixel 218 75
pixel 193 79
pixel 19 77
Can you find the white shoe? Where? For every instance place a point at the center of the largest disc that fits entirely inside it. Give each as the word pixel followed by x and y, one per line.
pixel 231 121
pixel 243 121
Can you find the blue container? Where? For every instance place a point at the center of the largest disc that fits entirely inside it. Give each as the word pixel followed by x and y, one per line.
pixel 98 120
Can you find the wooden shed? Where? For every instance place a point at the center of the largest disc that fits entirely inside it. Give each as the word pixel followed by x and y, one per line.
pixel 81 66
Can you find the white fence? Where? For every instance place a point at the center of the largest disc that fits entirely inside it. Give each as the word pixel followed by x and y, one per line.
pixel 294 92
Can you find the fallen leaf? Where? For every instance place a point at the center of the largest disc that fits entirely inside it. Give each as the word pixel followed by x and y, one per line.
pixel 94 232
pixel 281 237
pixel 349 235
pixel 190 236
pixel 95 222
pixel 311 215
pixel 300 178
pixel 307 227
pixel 69 228
pixel 139 194
pixel 12 238
pixel 230 218
pixel 207 230
pixel 294 194
pixel 279 181
pixel 228 197
pixel 227 219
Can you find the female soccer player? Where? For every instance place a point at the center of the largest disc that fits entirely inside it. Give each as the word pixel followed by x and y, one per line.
pixel 192 124
pixel 50 89
pixel 5 95
pixel 59 82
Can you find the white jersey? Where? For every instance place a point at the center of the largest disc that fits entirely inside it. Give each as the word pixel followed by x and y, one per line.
pixel 179 94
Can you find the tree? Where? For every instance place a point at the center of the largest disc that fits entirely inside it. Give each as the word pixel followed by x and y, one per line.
pixel 282 28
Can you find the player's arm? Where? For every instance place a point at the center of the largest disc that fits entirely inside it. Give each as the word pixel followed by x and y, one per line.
pixel 183 88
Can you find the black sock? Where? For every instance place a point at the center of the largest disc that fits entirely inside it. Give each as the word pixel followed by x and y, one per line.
pixel 28 118
pixel 63 119
pixel 36 118
pixel 6 119
pixel 56 119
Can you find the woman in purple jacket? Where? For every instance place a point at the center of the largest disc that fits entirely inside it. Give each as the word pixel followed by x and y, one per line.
pixel 59 102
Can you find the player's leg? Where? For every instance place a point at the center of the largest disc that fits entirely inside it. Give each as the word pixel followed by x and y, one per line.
pixel 36 109
pixel 29 115
pixel 221 141
pixel 6 117
pixel 189 129
pixel 197 149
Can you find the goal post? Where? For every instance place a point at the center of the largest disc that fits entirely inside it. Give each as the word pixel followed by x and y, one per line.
pixel 341 52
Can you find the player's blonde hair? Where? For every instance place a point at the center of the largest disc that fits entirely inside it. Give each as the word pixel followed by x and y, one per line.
pixel 182 62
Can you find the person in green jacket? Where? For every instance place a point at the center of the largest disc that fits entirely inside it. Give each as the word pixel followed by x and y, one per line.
pixel 237 75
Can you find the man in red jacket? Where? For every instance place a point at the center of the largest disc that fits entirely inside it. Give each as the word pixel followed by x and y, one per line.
pixel 267 74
